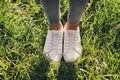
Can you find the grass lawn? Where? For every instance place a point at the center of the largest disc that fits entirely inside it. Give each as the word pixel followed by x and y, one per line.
pixel 23 29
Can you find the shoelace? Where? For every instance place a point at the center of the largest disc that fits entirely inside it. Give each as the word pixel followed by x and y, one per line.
pixel 56 41
pixel 70 40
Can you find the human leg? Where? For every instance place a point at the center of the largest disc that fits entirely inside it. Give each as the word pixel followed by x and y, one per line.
pixel 53 43
pixel 76 8
pixel 52 10
pixel 72 40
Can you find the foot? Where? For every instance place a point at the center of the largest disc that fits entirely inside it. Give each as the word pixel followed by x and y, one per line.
pixel 56 26
pixel 70 26
pixel 53 45
pixel 72 45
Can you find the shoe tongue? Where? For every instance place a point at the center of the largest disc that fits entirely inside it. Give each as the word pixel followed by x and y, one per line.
pixel 56 30
pixel 72 31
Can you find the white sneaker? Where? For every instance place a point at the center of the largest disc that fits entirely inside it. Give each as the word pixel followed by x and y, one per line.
pixel 72 45
pixel 53 45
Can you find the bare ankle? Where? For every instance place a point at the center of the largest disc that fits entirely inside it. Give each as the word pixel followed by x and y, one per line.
pixel 70 26
pixel 56 26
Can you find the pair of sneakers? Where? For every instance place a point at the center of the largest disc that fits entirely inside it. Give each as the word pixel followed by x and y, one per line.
pixel 63 43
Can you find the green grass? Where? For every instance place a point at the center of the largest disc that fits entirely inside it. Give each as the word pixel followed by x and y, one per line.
pixel 23 28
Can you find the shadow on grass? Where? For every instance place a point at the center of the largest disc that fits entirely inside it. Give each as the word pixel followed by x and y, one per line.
pixel 67 71
pixel 40 69
pixel 45 70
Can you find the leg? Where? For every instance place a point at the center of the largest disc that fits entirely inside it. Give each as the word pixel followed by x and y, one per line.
pixel 52 9
pixel 72 40
pixel 76 8
pixel 53 43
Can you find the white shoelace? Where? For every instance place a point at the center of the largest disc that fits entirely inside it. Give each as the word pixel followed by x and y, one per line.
pixel 70 40
pixel 56 41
